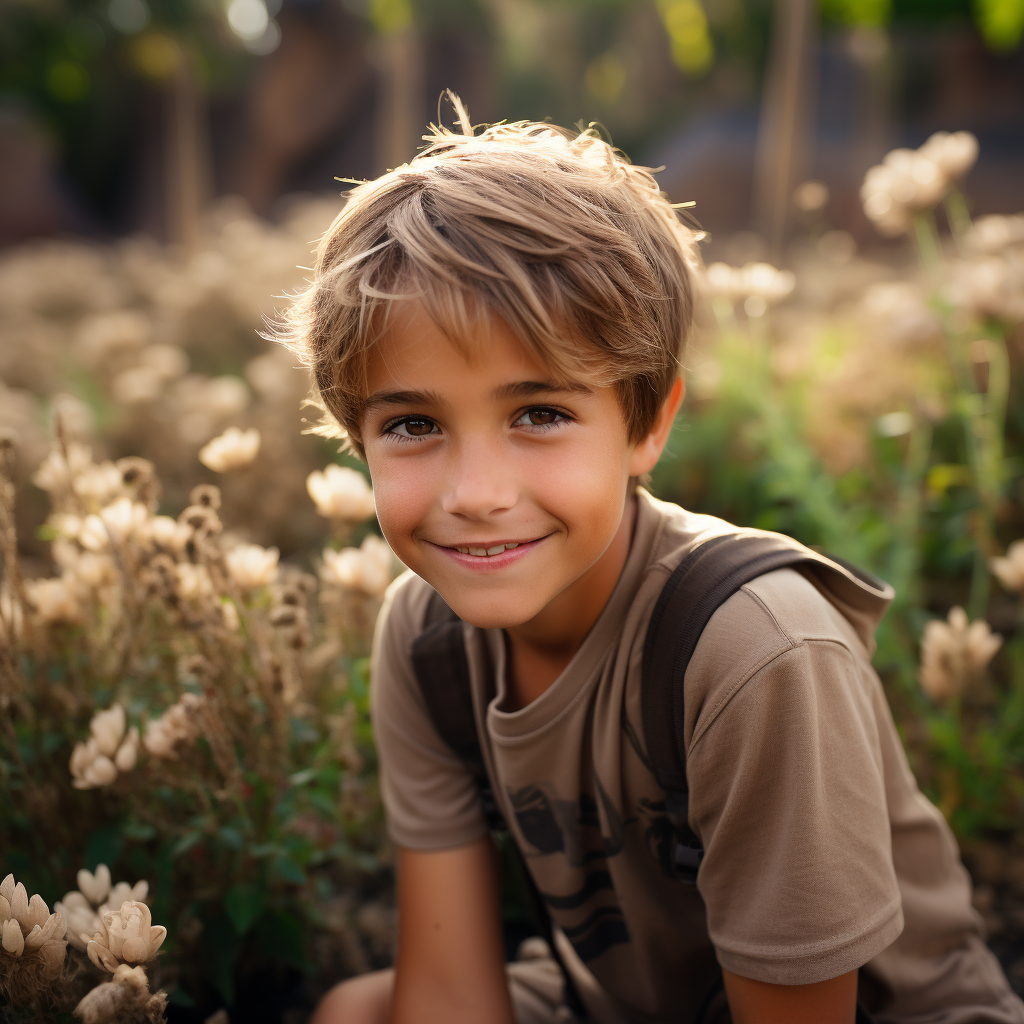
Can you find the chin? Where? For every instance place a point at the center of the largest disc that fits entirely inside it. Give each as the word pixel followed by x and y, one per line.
pixel 491 612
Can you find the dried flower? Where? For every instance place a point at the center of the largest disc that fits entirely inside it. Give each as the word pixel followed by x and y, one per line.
pixel 996 232
pixel 754 280
pixel 174 725
pixel 125 997
pixel 53 600
pixel 252 566
pixel 232 450
pixel 341 493
pixel 131 937
pixel 207 495
pixel 367 568
pixel 1009 569
pixel 954 654
pixel 168 533
pixel 97 761
pixel 95 887
pixel 124 518
pixel 193 581
pixel 954 153
pixel 81 919
pixel 29 927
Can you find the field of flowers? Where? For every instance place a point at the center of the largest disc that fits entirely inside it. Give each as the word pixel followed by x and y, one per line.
pixel 190 582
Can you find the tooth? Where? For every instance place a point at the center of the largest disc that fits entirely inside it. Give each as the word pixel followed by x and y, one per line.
pixel 478 551
pixel 496 550
pixel 463 551
pixel 509 547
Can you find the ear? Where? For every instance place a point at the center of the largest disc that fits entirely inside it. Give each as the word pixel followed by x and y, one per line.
pixel 648 451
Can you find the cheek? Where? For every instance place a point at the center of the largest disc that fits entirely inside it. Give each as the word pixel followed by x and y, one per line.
pixel 401 496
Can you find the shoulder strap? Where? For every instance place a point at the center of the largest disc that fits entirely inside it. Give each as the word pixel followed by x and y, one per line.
pixel 704 580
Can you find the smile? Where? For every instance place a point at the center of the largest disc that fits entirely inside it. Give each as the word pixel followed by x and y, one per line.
pixel 494 555
pixel 489 551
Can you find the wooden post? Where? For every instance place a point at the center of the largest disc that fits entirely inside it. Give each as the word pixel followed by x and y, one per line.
pixel 400 106
pixel 787 111
pixel 188 179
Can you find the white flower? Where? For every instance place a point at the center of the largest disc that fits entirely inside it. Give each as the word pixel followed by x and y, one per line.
pixel 124 518
pixel 996 232
pixel 1009 569
pixel 954 654
pixel 89 768
pixel 131 937
pixel 193 581
pixel 120 997
pixel 29 927
pixel 252 566
pixel 82 921
pixel 98 483
pixel 95 887
pixel 53 599
pixel 55 472
pixel 174 725
pixel 107 728
pixel 137 385
pixel 93 534
pixel 168 533
pixel 760 280
pixel 128 753
pixel 341 493
pixel 232 450
pixel 954 153
pixel 367 568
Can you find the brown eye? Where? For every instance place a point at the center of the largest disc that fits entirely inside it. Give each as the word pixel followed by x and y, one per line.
pixel 539 417
pixel 417 428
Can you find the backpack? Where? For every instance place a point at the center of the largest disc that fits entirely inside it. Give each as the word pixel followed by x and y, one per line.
pixel 707 576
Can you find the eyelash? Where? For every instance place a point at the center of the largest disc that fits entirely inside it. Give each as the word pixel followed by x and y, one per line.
pixel 389 434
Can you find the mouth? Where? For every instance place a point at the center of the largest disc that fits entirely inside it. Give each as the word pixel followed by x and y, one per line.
pixel 490 554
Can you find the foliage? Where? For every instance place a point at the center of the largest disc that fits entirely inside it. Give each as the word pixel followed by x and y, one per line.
pixel 878 429
pixel 251 807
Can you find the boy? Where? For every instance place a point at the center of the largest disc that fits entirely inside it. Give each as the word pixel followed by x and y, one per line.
pixel 497 328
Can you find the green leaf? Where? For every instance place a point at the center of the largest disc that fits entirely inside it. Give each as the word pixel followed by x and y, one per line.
pixel 301 778
pixel 230 837
pixel 286 869
pixel 138 830
pixel 185 843
pixel 280 935
pixel 104 846
pixel 243 904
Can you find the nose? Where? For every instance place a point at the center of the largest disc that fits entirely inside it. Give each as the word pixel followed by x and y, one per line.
pixel 479 483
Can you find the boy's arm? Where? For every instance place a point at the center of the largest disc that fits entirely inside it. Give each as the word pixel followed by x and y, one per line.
pixel 450 964
pixel 758 1002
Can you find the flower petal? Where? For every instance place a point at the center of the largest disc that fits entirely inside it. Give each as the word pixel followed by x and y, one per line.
pixel 135 950
pixel 102 957
pixel 157 934
pixel 7 888
pixel 38 911
pixel 13 940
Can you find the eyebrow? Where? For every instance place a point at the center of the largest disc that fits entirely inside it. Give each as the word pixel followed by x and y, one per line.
pixel 517 389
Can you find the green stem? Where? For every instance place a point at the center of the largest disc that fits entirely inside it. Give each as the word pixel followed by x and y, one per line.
pixel 958 215
pixel 927 235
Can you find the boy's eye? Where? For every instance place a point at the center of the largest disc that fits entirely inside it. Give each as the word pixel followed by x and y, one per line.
pixel 412 426
pixel 540 417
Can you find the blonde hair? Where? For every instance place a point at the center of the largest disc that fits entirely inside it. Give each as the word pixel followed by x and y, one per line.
pixel 577 250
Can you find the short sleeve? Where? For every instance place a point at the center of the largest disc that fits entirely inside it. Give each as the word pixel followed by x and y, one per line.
pixel 430 798
pixel 788 796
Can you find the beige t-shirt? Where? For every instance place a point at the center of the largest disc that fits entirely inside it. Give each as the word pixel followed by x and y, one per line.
pixel 821 854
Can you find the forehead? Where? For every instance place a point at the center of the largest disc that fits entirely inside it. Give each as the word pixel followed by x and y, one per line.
pixel 413 352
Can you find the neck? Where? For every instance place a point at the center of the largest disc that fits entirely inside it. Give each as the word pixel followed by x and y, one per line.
pixel 539 650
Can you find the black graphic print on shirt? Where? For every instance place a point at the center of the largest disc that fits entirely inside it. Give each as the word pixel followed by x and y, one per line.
pixel 590 917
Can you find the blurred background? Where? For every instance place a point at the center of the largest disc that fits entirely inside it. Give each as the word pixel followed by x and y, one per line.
pixel 128 116
pixel 175 546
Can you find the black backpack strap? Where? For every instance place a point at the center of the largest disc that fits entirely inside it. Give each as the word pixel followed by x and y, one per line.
pixel 703 581
pixel 442 671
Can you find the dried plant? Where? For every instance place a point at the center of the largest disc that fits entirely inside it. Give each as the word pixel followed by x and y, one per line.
pixel 251 713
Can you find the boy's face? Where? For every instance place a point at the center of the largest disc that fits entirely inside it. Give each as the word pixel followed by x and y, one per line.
pixel 468 456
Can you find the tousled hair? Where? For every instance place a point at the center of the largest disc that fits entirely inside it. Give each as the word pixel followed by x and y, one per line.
pixel 576 249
